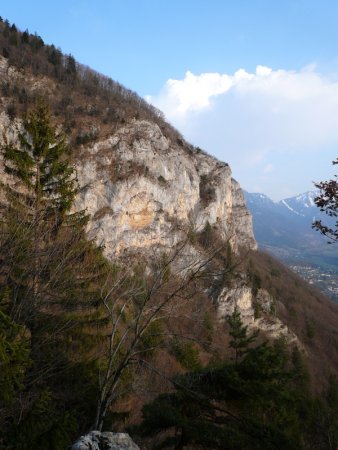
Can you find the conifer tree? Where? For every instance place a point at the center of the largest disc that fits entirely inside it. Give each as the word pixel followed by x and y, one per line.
pixel 38 231
pixel 49 280
pixel 14 359
pixel 239 333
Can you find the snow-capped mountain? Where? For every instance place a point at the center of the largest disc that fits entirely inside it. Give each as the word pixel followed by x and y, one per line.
pixel 285 227
pixel 302 205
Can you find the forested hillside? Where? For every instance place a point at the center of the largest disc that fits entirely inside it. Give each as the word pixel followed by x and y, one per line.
pixel 193 340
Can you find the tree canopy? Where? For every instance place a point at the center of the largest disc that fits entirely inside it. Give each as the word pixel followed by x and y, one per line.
pixel 49 283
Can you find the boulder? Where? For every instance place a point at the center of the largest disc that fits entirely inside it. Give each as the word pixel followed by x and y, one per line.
pixel 97 440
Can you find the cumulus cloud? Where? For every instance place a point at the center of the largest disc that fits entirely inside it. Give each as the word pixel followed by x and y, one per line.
pixel 268 119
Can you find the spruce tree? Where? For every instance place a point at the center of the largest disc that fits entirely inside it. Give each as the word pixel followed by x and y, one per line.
pixel 38 231
pixel 240 340
pixel 49 281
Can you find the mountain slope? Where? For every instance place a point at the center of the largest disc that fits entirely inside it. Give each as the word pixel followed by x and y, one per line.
pixel 285 229
pixel 287 224
pixel 143 185
pixel 147 190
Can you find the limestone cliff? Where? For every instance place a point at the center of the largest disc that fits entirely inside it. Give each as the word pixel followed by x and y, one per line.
pixel 143 188
pixel 138 186
pixel 257 311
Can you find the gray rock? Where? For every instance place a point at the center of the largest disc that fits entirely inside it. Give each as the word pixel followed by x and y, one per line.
pixel 96 440
pixel 141 187
pixel 137 183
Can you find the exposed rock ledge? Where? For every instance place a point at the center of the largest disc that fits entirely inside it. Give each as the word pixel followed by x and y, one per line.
pixel 242 298
pixel 96 440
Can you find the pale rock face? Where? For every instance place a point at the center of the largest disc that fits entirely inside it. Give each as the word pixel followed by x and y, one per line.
pixel 137 185
pixel 275 329
pixel 238 297
pixel 265 301
pixel 142 190
pixel 241 297
pixel 96 440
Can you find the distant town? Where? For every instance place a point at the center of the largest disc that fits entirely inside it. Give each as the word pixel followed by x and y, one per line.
pixel 324 279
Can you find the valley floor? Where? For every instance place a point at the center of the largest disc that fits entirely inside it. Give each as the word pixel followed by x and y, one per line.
pixel 323 276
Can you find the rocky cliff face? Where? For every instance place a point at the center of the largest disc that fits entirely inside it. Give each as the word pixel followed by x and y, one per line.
pixel 140 189
pixel 143 189
pixel 257 311
pixel 139 185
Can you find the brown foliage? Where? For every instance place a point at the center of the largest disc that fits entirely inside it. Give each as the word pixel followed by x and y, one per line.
pixel 308 313
pixel 77 94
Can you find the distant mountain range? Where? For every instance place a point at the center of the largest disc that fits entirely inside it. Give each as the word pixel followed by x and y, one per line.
pixel 284 228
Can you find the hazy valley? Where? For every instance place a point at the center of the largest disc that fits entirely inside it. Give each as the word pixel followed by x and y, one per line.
pixel 284 229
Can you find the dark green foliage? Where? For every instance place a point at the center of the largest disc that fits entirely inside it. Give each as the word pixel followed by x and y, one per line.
pixel 253 404
pixel 275 273
pixel 11 111
pixel 5 52
pixel 247 406
pixel 240 340
pixel 23 96
pixel 36 42
pixel 209 328
pixel 161 180
pixel 44 427
pixel 262 401
pixel 42 244
pixel 152 338
pixel 14 358
pixel 70 70
pixel 49 286
pixel 186 353
pixel 54 56
pixel 38 164
pixel 255 279
pixel 25 37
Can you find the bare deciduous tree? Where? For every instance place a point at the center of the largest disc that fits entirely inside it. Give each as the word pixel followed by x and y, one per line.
pixel 138 307
pixel 327 201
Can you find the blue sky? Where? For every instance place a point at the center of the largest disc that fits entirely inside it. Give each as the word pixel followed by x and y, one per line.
pixel 254 82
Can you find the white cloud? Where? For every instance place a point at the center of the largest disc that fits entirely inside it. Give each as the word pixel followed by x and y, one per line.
pixel 268 168
pixel 258 121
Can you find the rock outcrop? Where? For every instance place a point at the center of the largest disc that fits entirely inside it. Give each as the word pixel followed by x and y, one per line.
pixel 143 189
pixel 257 311
pixel 140 188
pixel 96 440
pixel 239 297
